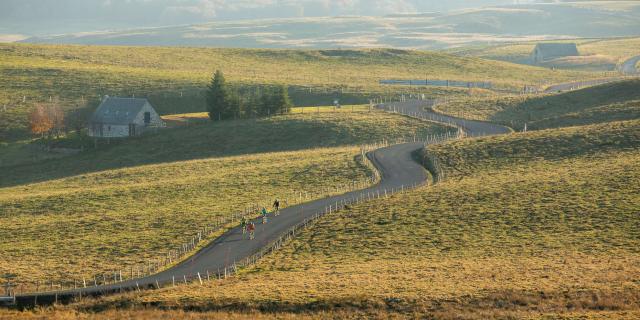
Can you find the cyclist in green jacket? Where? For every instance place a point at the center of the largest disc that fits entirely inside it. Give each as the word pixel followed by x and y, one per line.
pixel 264 215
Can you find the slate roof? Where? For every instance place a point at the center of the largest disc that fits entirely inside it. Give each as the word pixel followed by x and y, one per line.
pixel 118 111
pixel 549 50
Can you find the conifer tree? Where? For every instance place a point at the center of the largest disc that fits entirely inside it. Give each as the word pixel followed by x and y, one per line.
pixel 219 100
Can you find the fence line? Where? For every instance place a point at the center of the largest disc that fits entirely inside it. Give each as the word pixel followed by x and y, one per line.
pixel 175 256
pixel 439 83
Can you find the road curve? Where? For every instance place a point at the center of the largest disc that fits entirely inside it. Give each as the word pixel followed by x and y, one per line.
pixel 422 109
pixel 629 66
pixel 397 169
pixel 569 86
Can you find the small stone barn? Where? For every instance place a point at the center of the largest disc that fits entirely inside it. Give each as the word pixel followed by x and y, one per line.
pixel 123 117
pixel 549 51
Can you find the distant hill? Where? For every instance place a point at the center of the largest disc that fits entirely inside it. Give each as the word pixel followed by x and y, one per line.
pixel 595 54
pixel 417 31
pixel 174 78
pixel 600 104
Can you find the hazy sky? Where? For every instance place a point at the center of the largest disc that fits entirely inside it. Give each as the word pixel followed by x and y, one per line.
pixel 58 16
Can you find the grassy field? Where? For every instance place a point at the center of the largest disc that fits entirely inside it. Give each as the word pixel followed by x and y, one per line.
pixel 174 78
pixel 131 201
pixel 281 133
pixel 610 102
pixel 153 314
pixel 596 54
pixel 548 232
pixel 199 117
pixel 112 219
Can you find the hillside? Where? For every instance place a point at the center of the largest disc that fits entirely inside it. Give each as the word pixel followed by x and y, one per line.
pixel 174 78
pixel 128 203
pixel 609 102
pixel 432 30
pixel 511 234
pixel 227 138
pixel 596 54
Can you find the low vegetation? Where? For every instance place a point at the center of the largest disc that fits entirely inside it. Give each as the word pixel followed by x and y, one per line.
pixel 609 102
pixel 175 79
pixel 109 220
pixel 122 204
pixel 280 133
pixel 550 231
pixel 596 54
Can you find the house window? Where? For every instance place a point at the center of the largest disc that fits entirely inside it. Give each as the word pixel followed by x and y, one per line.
pixel 147 117
pixel 108 128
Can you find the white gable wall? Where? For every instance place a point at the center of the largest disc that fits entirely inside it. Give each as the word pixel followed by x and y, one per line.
pixel 119 130
pixel 156 121
pixel 109 131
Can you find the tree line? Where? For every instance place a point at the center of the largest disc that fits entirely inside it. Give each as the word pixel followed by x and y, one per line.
pixel 224 104
pixel 48 120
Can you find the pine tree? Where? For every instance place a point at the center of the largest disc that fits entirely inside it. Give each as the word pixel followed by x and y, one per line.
pixel 220 102
pixel 274 101
pixel 250 106
pixel 266 107
pixel 280 99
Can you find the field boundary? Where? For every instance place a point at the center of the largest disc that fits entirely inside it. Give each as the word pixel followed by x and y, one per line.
pixel 384 188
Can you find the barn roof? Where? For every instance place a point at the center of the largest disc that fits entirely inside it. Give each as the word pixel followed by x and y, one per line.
pixel 115 110
pixel 557 49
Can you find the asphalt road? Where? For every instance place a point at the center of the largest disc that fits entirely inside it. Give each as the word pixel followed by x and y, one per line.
pixel 420 109
pixel 629 67
pixel 579 85
pixel 397 169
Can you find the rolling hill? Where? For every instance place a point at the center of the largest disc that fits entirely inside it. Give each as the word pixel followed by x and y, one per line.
pixel 537 225
pixel 128 203
pixel 174 78
pixel 595 54
pixel 430 31
pixel 604 103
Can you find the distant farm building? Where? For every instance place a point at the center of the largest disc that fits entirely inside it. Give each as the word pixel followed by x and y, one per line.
pixel 123 117
pixel 549 51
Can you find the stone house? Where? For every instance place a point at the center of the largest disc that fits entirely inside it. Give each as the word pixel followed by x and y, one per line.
pixel 549 51
pixel 123 117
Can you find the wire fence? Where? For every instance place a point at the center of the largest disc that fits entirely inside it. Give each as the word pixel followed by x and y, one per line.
pixel 358 193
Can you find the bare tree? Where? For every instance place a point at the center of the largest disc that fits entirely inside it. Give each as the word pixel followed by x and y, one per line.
pixel 57 118
pixel 40 121
pixel 47 119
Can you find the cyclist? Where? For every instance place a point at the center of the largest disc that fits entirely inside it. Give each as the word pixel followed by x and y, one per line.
pixel 243 224
pixel 264 215
pixel 252 230
pixel 276 207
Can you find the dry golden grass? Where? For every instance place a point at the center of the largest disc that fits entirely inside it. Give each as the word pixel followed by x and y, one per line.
pixel 544 235
pixel 279 133
pixel 199 117
pixel 105 209
pixel 95 222
pixel 612 51
pixel 611 102
pixel 155 314
pixel 174 79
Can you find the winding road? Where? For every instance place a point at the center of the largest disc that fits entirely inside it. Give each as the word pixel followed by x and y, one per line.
pixel 629 67
pixel 395 164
